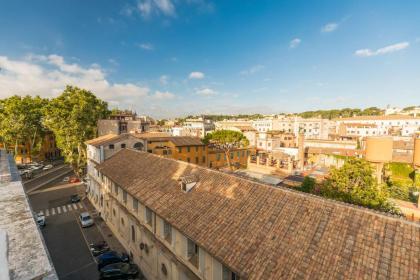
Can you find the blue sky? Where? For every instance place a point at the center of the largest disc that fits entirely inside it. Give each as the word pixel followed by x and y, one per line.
pixel 176 57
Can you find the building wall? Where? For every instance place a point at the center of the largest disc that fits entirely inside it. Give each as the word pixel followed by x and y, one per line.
pixel 238 157
pixel 192 154
pixel 146 242
pixel 47 151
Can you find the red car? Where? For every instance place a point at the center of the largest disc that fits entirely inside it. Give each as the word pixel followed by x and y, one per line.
pixel 74 180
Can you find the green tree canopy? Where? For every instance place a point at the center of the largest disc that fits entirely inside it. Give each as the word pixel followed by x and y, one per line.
pixel 21 121
pixel 354 183
pixel 73 117
pixel 226 140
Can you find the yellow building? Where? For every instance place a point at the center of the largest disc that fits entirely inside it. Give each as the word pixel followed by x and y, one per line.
pixel 185 148
pixel 48 150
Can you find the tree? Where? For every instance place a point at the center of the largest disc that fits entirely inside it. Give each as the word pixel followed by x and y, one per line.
pixel 73 117
pixel 308 185
pixel 354 183
pixel 21 121
pixel 226 140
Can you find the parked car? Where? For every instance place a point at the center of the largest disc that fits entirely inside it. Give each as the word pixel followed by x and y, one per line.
pixel 40 219
pixel 85 219
pixel 74 198
pixel 48 167
pixel 110 258
pixel 74 180
pixel 98 248
pixel 119 271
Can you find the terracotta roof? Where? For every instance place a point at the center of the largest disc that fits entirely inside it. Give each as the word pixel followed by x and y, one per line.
pixel 387 117
pixel 178 141
pixel 104 139
pixel 263 232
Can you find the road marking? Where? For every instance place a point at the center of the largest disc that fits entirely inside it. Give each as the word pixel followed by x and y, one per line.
pixel 64 209
pixel 74 206
pixel 41 213
pixel 53 211
pixel 47 212
pixel 80 205
pixel 69 207
pixel 58 210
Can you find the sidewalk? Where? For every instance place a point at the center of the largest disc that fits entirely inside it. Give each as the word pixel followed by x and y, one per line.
pixel 105 231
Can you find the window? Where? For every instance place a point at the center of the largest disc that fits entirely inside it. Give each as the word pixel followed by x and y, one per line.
pixel 188 159
pixel 122 221
pixel 231 155
pixel 116 189
pixel 237 154
pixel 217 157
pixel 179 149
pixel 123 146
pixel 111 146
pixel 167 231
pixel 114 212
pixel 228 275
pixel 149 216
pixel 135 204
pixel 196 159
pixel 204 147
pixel 188 149
pixel 192 252
pixel 196 148
pixel 204 159
pixel 124 196
pixel 133 234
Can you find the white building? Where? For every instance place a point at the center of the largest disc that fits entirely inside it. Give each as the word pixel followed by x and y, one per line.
pixel 200 125
pixel 362 126
pixel 315 128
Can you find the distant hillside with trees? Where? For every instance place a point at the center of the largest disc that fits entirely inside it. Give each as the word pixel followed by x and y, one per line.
pixel 344 113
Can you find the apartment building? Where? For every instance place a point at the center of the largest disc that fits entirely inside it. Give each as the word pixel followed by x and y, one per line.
pixel 314 128
pixel 24 153
pixel 362 126
pixel 228 124
pixel 123 123
pixel 199 126
pixel 268 141
pixel 181 221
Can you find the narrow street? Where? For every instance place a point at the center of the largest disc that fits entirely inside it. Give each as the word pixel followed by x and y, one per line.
pixel 67 242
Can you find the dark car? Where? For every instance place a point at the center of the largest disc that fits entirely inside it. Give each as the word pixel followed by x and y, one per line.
pixel 98 248
pixel 110 258
pixel 74 198
pixel 119 271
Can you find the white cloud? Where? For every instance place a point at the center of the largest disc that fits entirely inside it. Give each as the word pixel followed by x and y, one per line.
pixel 254 69
pixel 382 51
pixel 329 27
pixel 295 43
pixel 163 79
pixel 163 95
pixel 48 75
pixel 148 7
pixel 196 75
pixel 205 92
pixel 146 46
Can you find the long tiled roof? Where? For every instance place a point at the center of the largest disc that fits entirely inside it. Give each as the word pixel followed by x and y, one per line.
pixel 178 141
pixel 263 232
pixel 102 140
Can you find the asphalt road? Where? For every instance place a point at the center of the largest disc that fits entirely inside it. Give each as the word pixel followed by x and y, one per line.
pixel 66 241
pixel 46 176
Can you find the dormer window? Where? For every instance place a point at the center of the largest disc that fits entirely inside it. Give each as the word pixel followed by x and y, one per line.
pixel 188 182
